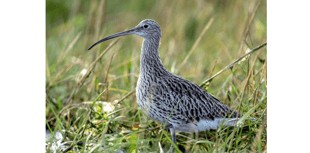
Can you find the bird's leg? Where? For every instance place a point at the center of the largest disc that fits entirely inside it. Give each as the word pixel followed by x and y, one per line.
pixel 174 140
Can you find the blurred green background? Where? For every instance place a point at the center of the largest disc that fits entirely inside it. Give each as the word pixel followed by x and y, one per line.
pixel 181 22
pixel 72 26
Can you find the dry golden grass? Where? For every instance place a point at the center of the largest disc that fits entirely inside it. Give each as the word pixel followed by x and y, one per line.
pixel 92 92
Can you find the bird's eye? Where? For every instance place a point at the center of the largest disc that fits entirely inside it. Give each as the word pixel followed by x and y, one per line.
pixel 146 26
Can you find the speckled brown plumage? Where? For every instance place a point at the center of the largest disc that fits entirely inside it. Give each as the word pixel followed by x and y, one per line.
pixel 159 91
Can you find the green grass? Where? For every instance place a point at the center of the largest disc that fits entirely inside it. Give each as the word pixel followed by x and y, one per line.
pixel 90 125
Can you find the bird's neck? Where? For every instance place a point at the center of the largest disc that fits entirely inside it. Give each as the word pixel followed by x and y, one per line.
pixel 150 63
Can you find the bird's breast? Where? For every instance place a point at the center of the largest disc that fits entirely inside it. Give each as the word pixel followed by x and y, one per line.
pixel 142 92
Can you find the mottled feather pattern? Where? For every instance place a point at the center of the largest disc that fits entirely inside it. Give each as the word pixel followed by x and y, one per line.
pixel 159 92
pixel 190 102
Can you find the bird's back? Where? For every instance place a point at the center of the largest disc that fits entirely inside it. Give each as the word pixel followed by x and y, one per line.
pixel 193 108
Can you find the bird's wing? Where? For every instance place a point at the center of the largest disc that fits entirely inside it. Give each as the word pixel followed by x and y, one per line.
pixel 188 101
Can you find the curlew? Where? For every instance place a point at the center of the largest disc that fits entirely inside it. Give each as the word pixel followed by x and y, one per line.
pixel 168 98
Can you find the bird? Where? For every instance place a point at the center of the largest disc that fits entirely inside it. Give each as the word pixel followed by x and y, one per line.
pixel 168 98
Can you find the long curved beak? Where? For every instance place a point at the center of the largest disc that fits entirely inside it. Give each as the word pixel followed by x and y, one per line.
pixel 128 32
